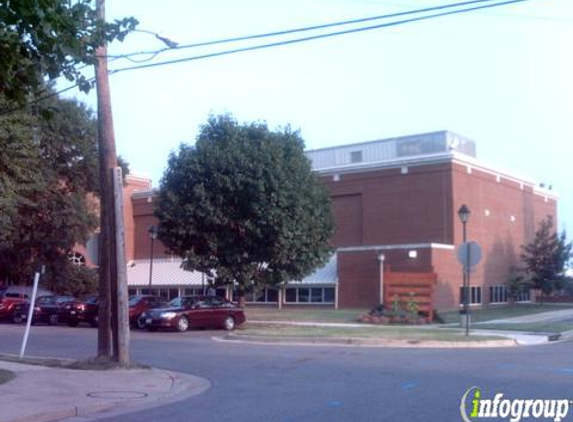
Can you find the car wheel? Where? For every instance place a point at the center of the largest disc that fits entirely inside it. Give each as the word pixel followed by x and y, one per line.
pixel 16 319
pixel 140 323
pixel 53 319
pixel 229 323
pixel 182 324
pixel 73 323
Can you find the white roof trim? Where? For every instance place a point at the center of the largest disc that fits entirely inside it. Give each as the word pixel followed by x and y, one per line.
pixel 441 157
pixel 393 247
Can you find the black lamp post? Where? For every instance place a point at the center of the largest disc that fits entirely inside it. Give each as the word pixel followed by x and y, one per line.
pixel 153 235
pixel 464 214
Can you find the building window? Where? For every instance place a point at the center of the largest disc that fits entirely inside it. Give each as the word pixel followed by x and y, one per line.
pixel 524 296
pixel 194 291
pixel 356 157
pixel 474 297
pixel 265 296
pixel 77 259
pixel 309 295
pixel 497 294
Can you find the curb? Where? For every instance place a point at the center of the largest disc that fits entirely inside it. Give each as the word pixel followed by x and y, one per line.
pixel 183 386
pixel 238 338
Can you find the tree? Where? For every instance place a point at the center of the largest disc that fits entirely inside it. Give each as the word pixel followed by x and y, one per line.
pixel 516 284
pixel 48 168
pixel 243 205
pixel 49 38
pixel 546 256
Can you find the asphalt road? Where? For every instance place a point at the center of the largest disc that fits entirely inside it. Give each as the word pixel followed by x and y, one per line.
pixel 287 383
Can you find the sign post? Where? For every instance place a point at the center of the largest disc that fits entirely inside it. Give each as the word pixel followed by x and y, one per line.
pixel 469 255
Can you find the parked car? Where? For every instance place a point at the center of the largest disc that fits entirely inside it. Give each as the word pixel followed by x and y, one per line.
pixel 45 309
pixel 72 313
pixel 142 303
pixel 14 295
pixel 185 312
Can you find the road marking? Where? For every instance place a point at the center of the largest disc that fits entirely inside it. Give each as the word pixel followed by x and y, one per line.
pixel 408 385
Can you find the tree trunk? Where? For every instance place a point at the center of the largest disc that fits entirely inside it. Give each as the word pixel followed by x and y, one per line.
pixel 242 300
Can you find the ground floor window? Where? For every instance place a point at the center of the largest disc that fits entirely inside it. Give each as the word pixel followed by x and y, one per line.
pixel 524 296
pixel 497 294
pixel 164 293
pixel 309 295
pixel 474 295
pixel 264 295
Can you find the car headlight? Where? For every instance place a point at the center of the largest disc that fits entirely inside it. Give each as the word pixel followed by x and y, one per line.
pixel 168 315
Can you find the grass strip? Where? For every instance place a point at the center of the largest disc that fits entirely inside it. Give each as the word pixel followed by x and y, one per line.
pixel 370 333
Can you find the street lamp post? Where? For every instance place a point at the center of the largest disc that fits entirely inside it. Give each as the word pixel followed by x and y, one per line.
pixel 464 214
pixel 153 235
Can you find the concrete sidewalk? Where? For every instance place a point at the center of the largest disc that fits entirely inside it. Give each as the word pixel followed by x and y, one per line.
pixel 550 316
pixel 43 394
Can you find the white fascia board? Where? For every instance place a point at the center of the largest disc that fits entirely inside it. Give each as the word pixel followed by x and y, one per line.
pixel 394 163
pixel 466 160
pixel 396 247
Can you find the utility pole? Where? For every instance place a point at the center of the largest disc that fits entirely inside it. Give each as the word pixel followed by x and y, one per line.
pixel 107 161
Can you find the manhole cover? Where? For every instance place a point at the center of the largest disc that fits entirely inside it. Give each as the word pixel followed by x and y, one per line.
pixel 117 395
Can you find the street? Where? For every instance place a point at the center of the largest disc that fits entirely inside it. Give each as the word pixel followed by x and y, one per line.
pixel 287 383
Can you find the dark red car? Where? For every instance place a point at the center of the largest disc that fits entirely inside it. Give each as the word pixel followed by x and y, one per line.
pixel 72 313
pixel 14 295
pixel 46 309
pixel 185 312
pixel 139 304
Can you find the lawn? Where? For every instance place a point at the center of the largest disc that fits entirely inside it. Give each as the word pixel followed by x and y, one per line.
pixel 6 376
pixel 498 312
pixel 408 333
pixel 305 315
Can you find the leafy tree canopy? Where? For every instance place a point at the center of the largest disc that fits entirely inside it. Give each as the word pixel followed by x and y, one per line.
pixel 244 203
pixel 546 256
pixel 48 38
pixel 48 167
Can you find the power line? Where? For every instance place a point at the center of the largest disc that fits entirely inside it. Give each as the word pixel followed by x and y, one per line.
pixel 313 37
pixel 297 30
pixel 288 42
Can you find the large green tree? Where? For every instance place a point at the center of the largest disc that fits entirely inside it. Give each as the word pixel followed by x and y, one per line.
pixel 243 204
pixel 546 256
pixel 48 168
pixel 49 38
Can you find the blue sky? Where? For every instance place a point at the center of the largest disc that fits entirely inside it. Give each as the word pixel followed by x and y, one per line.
pixel 501 77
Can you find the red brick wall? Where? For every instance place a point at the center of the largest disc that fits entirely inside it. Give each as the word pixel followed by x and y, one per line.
pixel 421 207
pixel 132 185
pixel 396 208
pixel 359 279
pixel 504 216
pixel 143 220
pixel 449 271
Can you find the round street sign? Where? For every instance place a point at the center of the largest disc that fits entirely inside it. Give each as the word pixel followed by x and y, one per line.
pixel 469 254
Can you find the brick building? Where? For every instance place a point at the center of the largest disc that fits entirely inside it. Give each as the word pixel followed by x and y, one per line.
pixel 395 203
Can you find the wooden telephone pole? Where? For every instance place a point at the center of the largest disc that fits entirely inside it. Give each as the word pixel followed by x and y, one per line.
pixel 113 338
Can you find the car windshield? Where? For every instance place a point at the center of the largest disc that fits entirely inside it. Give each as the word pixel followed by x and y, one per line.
pixel 134 300
pixel 182 302
pixel 92 300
